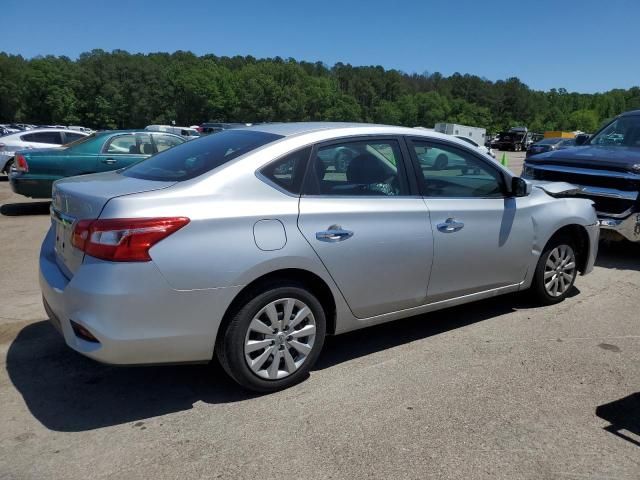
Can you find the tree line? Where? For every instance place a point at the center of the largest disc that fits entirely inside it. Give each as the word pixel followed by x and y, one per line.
pixel 122 90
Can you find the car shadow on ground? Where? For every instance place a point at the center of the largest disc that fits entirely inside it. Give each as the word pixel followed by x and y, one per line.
pixel 621 255
pixel 364 342
pixel 26 208
pixel 68 392
pixel 623 416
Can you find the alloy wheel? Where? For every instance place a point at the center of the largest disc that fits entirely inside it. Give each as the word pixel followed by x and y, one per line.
pixel 279 339
pixel 559 270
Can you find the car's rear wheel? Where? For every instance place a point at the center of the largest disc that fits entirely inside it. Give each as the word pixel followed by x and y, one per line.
pixel 7 166
pixel 556 271
pixel 273 340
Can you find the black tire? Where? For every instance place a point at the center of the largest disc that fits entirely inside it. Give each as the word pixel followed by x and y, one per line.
pixel 7 166
pixel 538 289
pixel 230 345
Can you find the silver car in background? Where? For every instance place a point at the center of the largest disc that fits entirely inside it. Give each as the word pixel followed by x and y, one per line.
pixel 484 149
pixel 35 138
pixel 251 245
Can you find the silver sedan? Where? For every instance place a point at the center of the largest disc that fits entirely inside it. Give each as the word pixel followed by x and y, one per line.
pixel 251 245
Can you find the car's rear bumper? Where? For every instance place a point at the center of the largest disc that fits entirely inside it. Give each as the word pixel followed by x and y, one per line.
pixel 31 186
pixel 136 317
pixel 628 227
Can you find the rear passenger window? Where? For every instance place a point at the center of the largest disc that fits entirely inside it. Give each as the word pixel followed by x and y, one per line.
pixel 357 168
pixel 123 144
pixel 288 172
pixel 72 137
pixel 53 138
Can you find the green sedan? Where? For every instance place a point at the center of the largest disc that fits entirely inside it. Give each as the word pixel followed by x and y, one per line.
pixel 34 171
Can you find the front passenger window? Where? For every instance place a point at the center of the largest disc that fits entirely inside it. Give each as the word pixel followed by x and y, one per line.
pixel 449 172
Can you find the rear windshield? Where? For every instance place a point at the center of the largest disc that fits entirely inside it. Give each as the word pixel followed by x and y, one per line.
pixel 196 157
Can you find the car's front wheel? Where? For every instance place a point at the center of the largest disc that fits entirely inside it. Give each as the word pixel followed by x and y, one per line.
pixel 272 341
pixel 556 271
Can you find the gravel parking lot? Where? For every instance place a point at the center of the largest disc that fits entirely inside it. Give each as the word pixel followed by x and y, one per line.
pixel 497 389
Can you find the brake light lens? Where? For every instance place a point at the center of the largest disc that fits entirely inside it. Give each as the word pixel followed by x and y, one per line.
pixel 21 163
pixel 123 239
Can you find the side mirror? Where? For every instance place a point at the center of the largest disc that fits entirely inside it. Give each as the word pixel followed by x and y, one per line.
pixel 520 187
pixel 582 139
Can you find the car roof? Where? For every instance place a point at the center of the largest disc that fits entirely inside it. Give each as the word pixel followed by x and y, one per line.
pixel 300 128
pixel 38 130
pixel 141 131
pixel 630 112
pixel 344 129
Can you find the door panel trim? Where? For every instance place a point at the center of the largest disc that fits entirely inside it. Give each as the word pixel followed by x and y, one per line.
pixel 357 323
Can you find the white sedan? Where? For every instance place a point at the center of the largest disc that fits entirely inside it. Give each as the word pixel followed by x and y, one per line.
pixel 482 148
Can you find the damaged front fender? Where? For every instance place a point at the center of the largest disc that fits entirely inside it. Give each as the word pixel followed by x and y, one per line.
pixel 556 189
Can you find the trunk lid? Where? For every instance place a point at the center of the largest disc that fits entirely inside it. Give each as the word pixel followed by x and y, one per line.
pixel 84 197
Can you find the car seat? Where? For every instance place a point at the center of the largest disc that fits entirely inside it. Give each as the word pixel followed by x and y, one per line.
pixel 632 137
pixel 366 169
pixel 441 163
pixel 368 174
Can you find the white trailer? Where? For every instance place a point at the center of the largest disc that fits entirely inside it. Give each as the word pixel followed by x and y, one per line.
pixel 474 133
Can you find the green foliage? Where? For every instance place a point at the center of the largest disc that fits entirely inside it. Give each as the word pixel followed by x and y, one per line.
pixel 122 90
pixel 585 120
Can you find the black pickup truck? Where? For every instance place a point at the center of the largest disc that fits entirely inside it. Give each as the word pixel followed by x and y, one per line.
pixel 605 169
pixel 517 139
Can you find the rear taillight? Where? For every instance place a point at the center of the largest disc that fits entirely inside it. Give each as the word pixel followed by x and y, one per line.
pixel 123 239
pixel 21 163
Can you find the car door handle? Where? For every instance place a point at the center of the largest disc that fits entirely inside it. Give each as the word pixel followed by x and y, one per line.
pixel 109 161
pixel 334 233
pixel 450 225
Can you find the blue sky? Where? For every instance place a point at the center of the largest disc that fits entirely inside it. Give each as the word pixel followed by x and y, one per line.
pixel 584 46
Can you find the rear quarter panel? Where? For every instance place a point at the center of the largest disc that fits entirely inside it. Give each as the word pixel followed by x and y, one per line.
pixel 60 164
pixel 217 248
